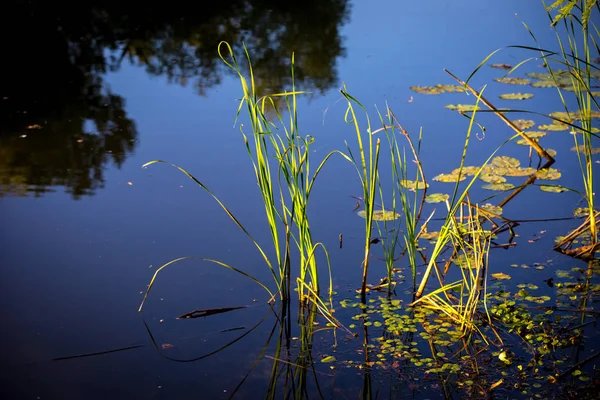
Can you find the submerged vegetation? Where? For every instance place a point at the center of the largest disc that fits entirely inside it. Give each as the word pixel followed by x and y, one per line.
pixel 462 323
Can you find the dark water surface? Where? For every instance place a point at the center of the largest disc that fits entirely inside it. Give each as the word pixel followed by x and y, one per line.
pixel 91 92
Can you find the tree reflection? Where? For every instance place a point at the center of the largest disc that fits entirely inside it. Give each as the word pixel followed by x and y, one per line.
pixel 52 78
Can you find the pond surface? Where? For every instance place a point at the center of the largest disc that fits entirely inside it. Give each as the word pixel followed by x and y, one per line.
pixel 89 94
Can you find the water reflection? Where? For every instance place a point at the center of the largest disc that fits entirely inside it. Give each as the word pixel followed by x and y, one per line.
pixel 60 125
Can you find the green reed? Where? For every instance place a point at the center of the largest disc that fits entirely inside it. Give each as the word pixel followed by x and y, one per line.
pixel 286 186
pixel 367 169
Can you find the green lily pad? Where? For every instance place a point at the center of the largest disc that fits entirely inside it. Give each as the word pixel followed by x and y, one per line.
pixel 519 171
pixel 449 178
pixel 516 96
pixel 581 212
pixel 380 215
pixel 467 170
pixel 523 124
pixel 411 185
pixel 498 186
pixel 438 89
pixel 552 189
pixel 505 162
pixel 555 126
pixel 501 276
pixel 490 208
pixel 461 107
pixel 328 359
pixel 546 83
pixel 513 81
pixel 548 174
pixel 523 142
pixel 429 235
pixel 436 198
pixel 492 178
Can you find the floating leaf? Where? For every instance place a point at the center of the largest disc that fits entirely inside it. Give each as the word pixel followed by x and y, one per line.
pixel 328 359
pixel 523 124
pixel 438 89
pixel 491 178
pixel 380 215
pixel 519 171
pixel 505 162
pixel 552 189
pixel 546 83
pixel 581 212
pixel 501 276
pixel 461 107
pixel 411 185
pixel 555 126
pixel 429 235
pixel 516 96
pixel 548 174
pixel 534 135
pixel 436 198
pixel 498 186
pixel 467 171
pixel 593 150
pixel 449 178
pixel 513 81
pixel 490 208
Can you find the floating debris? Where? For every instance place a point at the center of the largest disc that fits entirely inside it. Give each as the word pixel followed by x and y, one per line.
pixel 501 66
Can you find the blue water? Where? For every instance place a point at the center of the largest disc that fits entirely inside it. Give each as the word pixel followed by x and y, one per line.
pixel 74 269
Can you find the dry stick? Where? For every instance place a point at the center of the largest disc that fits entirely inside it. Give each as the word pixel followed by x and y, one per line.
pixel 570 237
pixel 499 113
pixel 579 364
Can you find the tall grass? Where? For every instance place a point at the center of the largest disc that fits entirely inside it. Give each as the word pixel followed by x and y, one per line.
pixel 367 169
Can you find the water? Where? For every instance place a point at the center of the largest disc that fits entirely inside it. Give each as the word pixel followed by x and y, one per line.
pixel 91 93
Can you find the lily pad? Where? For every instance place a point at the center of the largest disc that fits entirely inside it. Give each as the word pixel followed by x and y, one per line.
pixel 505 162
pixel 490 208
pixel 491 178
pixel 380 215
pixel 553 189
pixel 438 89
pixel 328 359
pixel 516 96
pixel 449 178
pixel 467 171
pixel 523 124
pixel 461 107
pixel 513 81
pixel 581 212
pixel 436 198
pixel 548 174
pixel 429 235
pixel 498 186
pixel 501 276
pixel 555 126
pixel 411 185
pixel 519 171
